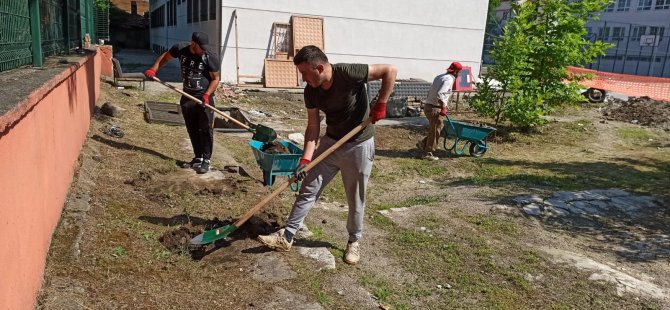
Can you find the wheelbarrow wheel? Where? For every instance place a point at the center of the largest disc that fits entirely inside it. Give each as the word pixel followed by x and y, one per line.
pixel 478 149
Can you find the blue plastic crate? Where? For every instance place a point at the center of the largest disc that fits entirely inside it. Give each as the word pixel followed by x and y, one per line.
pixel 276 164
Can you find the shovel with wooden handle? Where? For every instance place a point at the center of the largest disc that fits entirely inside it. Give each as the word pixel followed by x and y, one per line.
pixel 261 133
pixel 210 236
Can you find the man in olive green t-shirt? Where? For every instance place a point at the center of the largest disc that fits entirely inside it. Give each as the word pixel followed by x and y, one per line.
pixel 339 91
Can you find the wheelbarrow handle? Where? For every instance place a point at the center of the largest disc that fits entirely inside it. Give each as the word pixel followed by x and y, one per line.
pixel 226 116
pixel 311 165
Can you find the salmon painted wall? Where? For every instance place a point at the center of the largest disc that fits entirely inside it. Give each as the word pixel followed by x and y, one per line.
pixel 40 141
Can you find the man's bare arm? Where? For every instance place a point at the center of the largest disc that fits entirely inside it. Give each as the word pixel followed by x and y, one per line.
pixel 387 73
pixel 161 60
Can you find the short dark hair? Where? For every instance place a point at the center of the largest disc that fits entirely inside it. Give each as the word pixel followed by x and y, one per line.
pixel 310 54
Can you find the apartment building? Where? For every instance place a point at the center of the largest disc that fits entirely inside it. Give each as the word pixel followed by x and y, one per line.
pixel 638 29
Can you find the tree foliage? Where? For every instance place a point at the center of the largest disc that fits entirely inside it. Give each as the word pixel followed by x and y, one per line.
pixel 537 45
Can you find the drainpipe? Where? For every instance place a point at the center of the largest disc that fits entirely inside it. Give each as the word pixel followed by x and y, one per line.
pixel 34 6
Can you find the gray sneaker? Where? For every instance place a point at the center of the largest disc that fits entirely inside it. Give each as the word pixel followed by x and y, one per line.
pixel 276 241
pixel 204 167
pixel 194 163
pixel 352 253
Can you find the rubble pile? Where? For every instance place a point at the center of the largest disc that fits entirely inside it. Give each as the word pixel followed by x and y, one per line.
pixel 639 110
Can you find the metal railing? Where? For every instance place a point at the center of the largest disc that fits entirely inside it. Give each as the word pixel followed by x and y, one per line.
pixel 33 29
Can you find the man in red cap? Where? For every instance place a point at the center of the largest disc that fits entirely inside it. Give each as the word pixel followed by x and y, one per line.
pixel 200 76
pixel 436 109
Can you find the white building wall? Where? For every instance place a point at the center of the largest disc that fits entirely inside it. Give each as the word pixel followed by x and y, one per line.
pixel 420 37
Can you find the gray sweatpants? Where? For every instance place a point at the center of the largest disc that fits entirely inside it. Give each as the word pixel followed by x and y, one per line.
pixel 354 161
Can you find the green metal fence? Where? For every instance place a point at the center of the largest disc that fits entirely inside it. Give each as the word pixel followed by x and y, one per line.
pixel 33 29
pixel 15 38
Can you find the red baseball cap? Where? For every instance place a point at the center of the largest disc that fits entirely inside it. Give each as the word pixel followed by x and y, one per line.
pixel 455 66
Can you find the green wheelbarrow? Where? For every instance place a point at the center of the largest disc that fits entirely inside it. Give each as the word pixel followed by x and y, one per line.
pixel 465 136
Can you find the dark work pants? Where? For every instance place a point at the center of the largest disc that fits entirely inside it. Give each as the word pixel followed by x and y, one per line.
pixel 199 122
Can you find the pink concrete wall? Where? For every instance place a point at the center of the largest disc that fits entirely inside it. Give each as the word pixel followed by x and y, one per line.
pixel 40 141
pixel 106 65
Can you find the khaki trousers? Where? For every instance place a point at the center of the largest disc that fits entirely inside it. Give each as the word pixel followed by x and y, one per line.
pixel 435 123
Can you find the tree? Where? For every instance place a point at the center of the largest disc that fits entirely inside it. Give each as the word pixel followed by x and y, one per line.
pixel 537 45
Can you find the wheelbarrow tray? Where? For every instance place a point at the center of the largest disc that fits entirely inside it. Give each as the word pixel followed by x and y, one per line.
pixel 276 164
pixel 466 131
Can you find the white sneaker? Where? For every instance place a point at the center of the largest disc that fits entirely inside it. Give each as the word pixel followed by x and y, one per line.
pixel 430 156
pixel 352 253
pixel 276 241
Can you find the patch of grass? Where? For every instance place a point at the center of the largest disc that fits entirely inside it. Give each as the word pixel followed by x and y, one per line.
pixel 634 134
pixel 381 221
pixel 414 166
pixel 119 252
pixel 579 126
pixel 413 201
pixel 379 287
pixel 315 284
pixel 317 231
pixel 493 225
pixel 430 221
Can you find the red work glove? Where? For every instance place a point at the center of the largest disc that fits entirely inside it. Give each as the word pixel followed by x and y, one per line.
pixel 150 73
pixel 443 112
pixel 205 99
pixel 299 173
pixel 378 111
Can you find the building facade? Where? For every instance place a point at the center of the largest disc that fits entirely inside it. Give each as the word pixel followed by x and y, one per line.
pixel 413 35
pixel 638 29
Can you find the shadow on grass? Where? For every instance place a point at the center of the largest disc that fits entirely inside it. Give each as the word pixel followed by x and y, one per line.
pixel 127 146
pixel 639 237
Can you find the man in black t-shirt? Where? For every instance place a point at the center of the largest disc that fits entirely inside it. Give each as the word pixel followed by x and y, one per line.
pixel 338 90
pixel 200 76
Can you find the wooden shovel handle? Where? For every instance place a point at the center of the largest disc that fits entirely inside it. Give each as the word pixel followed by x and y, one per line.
pixel 311 165
pixel 226 116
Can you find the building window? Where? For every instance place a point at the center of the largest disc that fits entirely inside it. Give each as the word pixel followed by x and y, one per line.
pixel 662 5
pixel 657 31
pixel 212 9
pixel 189 11
pixel 196 11
pixel 610 8
pixel 644 5
pixel 172 12
pixel 623 6
pixel 604 33
pixel 638 32
pixel 203 10
pixel 158 17
pixel 505 15
pixel 618 33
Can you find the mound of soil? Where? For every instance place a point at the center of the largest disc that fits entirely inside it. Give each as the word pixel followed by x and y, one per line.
pixel 640 110
pixel 275 148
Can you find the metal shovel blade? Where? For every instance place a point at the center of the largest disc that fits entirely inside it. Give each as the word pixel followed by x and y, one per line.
pixel 264 134
pixel 212 235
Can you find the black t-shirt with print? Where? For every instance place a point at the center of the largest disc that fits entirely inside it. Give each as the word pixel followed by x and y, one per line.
pixel 195 69
pixel 345 103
